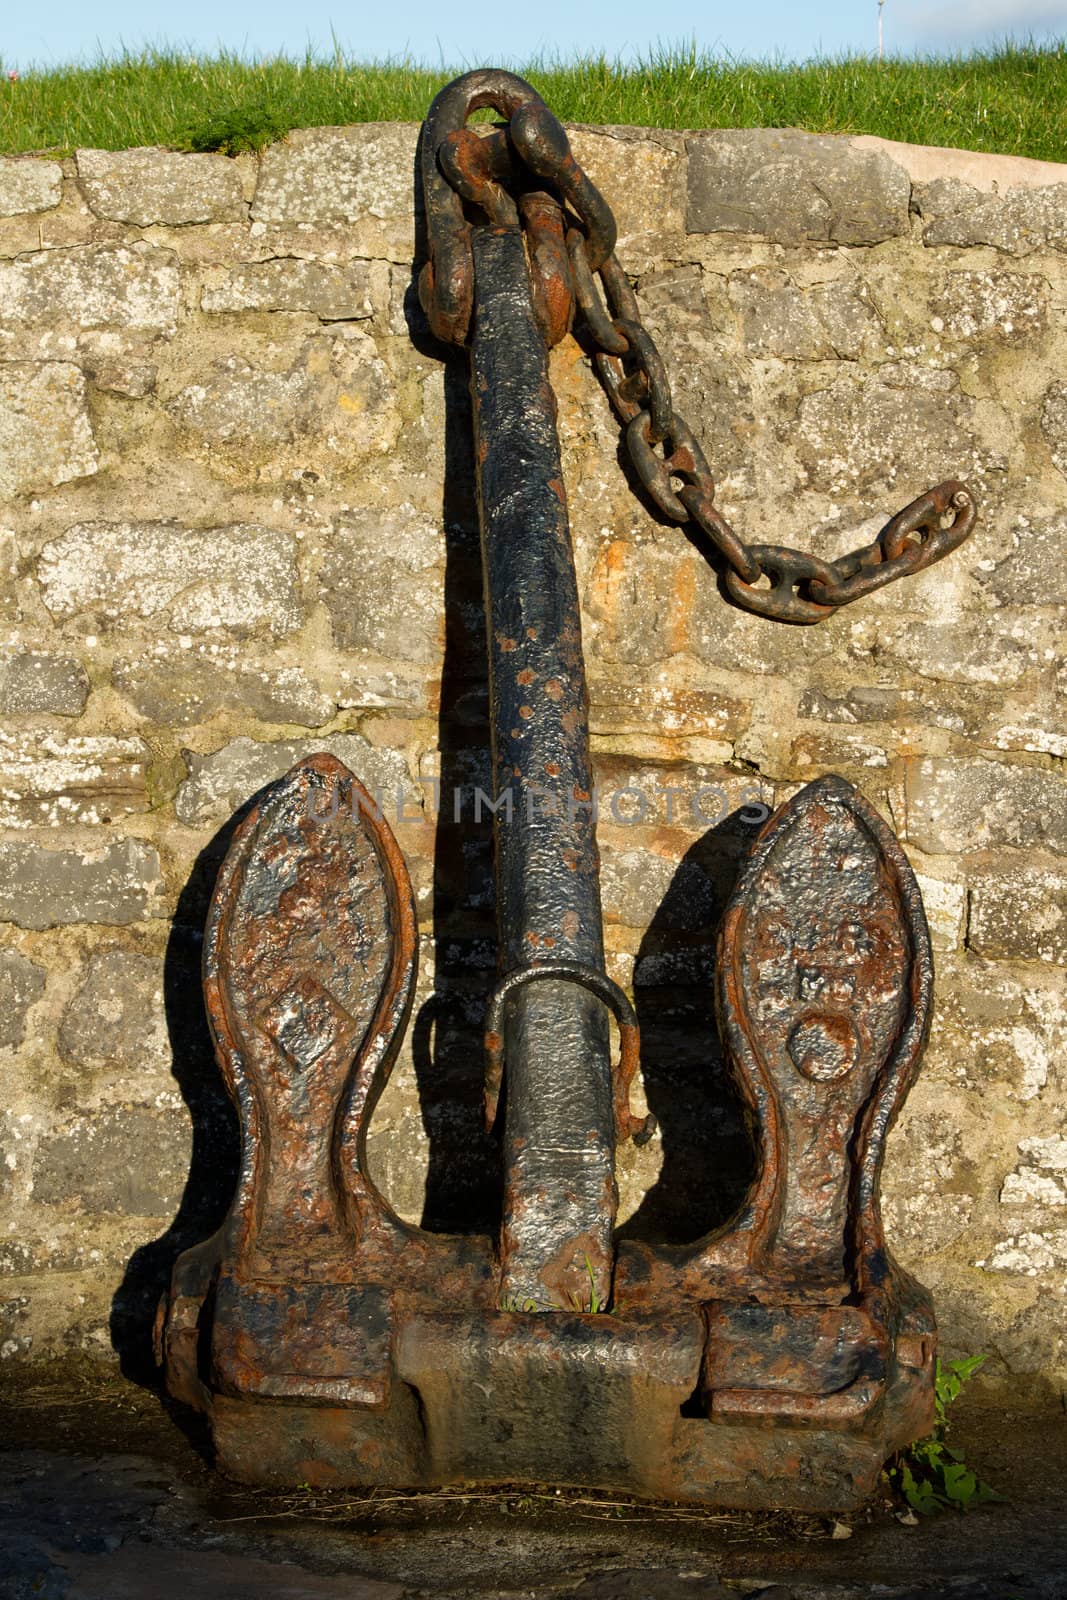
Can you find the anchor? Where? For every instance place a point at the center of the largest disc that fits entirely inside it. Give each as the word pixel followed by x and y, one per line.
pixel 775 1362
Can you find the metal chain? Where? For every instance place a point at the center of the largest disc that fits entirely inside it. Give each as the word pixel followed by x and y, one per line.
pixel 571 235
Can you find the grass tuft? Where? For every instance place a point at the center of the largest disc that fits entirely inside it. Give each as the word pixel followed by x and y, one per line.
pixel 1011 99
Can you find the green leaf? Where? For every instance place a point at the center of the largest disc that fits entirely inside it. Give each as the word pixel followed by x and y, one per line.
pixel 959 1482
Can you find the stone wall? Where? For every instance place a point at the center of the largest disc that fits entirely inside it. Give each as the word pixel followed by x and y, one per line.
pixel 237 513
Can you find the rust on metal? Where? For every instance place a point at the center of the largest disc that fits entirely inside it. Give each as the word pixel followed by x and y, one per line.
pixel 780 1358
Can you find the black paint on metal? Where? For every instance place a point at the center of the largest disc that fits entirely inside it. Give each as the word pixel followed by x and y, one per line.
pixel 559 1136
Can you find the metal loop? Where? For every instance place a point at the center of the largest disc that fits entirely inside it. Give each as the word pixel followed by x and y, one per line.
pixel 446 283
pixel 619 291
pixel 699 505
pixel 685 460
pixel 551 284
pixel 598 320
pixel 897 552
pixel 649 364
pixel 787 570
pixel 541 140
pixel 618 1003
pixel 477 168
pixel 609 370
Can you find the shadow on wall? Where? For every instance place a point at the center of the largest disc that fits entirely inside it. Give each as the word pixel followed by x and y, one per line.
pixel 708 1154
pixel 215 1147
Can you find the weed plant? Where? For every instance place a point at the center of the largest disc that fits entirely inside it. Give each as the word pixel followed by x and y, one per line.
pixel 1011 99
pixel 931 1474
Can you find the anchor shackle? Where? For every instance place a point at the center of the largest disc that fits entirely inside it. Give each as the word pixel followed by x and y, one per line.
pixel 521 174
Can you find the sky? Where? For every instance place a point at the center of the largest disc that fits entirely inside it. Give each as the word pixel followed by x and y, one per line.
pixel 502 30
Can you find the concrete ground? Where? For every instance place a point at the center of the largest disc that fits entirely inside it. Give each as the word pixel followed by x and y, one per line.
pixel 103 1496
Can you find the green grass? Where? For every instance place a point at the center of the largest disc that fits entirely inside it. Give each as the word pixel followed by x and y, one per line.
pixel 1012 99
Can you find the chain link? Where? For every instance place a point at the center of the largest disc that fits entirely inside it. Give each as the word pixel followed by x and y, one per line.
pixel 571 238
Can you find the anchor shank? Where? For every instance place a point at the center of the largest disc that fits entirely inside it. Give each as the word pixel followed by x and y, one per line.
pixel 559 1200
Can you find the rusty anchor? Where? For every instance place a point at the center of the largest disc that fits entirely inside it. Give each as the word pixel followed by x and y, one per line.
pixel 776 1361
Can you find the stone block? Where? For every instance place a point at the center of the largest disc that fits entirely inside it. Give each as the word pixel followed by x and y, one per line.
pixel 1019 914
pixel 960 804
pixel 649 600
pixel 11 609
pixel 1022 220
pixel 113 884
pixel 1041 730
pixel 999 651
pixel 1033 1342
pixel 1010 306
pixel 999 1036
pixel 326 289
pixel 639 886
pixel 34 681
pixel 1054 424
pixel 29 185
pixel 926 1203
pixel 690 797
pixel 1034 573
pixel 362 176
pixel 179 687
pixel 854 756
pixel 618 708
pixel 21 984
pixel 628 165
pixel 1040 1179
pixel 336 396
pixel 241 578
pixel 92 286
pixel 794 186
pixel 855 433
pixel 46 437
pixel 133 379
pixel 150 186
pixel 131 1161
pixel 382 583
pixel 831 321
pixel 52 779
pixel 1029 1254
pixel 945 904
pixel 220 783
pixel 116 1018
pixel 960 709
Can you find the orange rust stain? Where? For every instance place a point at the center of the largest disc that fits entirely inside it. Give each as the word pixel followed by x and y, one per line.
pixel 505 644
pixel 554 689
pixel 494 1042
pixel 608 576
pixel 526 712
pixel 525 676
pixel 570 859
pixel 552 769
pixel 548 941
pixel 683 597
pixel 531 633
pixel 556 485
pixel 569 721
